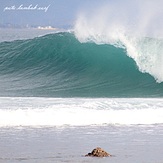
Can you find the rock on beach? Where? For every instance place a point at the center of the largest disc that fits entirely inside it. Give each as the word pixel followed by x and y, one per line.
pixel 98 152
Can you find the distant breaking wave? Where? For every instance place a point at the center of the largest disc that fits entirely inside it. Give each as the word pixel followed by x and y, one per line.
pixel 59 65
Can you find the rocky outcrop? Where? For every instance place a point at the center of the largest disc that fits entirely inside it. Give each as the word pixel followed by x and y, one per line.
pixel 98 152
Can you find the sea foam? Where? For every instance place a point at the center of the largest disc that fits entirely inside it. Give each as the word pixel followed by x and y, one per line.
pixel 41 112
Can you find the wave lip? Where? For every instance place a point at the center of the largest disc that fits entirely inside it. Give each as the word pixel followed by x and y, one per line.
pixel 137 33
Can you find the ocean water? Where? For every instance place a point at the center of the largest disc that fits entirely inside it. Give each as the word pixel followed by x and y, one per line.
pixel 59 65
pixel 63 93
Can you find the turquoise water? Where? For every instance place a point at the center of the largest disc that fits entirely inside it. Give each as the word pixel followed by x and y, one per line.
pixel 58 65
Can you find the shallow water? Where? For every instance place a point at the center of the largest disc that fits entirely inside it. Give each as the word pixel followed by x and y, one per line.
pixel 135 143
pixel 55 130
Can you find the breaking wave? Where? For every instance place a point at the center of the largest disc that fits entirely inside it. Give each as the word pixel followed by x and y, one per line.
pixel 61 65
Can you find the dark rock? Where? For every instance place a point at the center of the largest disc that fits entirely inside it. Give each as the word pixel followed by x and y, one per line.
pixel 98 152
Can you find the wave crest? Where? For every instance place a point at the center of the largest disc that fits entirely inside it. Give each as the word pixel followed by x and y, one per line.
pixel 137 33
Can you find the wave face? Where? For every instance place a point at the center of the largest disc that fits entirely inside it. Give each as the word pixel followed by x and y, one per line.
pixel 59 65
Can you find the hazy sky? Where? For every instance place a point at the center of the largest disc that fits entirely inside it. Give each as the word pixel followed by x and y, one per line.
pixel 146 14
pixel 59 13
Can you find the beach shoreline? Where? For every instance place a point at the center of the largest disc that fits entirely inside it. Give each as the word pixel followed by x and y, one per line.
pixel 70 144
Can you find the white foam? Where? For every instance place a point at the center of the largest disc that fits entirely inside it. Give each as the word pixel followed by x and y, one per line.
pixel 80 112
pixel 80 117
pixel 132 28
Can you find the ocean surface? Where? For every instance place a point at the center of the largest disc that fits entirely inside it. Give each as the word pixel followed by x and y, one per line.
pixel 63 93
